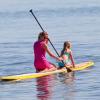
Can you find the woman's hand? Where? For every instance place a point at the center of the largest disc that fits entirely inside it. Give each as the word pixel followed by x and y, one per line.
pixel 59 58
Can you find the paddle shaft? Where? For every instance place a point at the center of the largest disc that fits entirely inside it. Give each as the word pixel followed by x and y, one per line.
pixel 48 39
pixel 44 31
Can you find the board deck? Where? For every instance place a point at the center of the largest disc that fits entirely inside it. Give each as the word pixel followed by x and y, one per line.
pixel 78 67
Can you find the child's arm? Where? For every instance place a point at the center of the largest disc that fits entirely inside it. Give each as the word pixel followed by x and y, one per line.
pixel 72 60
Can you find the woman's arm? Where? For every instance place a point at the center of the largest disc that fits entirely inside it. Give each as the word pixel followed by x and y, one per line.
pixel 50 53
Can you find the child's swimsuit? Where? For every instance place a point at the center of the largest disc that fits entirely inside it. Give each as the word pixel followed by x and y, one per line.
pixel 67 61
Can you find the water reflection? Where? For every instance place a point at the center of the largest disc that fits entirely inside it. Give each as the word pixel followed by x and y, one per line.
pixel 67 80
pixel 44 87
pixel 65 83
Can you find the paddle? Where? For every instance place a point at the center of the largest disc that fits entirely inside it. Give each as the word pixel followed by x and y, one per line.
pixel 68 69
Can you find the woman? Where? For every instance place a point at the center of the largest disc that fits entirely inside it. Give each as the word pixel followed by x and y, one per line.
pixel 66 55
pixel 40 50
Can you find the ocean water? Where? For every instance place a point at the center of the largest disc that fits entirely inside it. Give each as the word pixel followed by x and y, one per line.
pixel 75 20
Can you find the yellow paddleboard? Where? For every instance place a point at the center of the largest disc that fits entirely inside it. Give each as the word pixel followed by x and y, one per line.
pixel 78 67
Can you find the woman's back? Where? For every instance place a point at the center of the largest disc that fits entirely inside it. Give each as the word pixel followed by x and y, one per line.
pixel 39 51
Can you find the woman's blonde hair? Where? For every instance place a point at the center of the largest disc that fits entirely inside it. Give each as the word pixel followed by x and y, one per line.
pixel 42 35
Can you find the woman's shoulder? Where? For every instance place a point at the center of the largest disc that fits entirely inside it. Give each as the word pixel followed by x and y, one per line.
pixel 36 42
pixel 43 43
pixel 39 42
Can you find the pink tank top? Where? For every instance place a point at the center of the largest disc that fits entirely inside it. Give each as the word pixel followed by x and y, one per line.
pixel 40 60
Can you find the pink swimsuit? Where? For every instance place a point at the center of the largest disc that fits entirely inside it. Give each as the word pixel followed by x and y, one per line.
pixel 40 61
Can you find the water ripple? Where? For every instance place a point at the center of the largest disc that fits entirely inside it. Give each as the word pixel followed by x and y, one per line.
pixel 88 10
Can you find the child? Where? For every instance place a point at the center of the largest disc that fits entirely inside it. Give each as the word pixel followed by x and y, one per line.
pixel 66 55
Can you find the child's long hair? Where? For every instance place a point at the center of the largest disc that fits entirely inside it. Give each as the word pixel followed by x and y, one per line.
pixel 66 45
